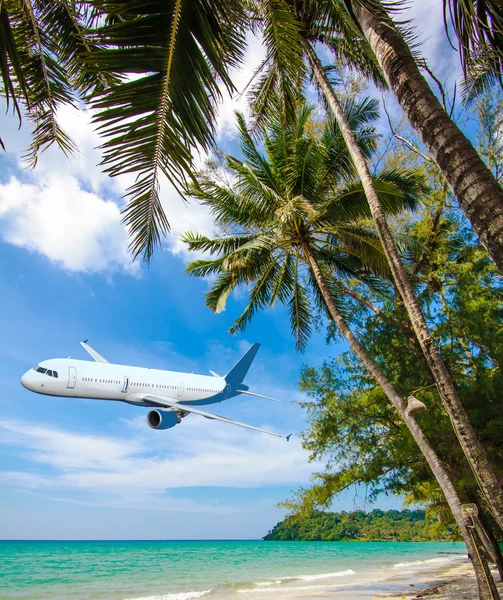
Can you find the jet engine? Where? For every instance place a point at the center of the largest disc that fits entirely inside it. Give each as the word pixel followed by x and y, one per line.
pixel 162 419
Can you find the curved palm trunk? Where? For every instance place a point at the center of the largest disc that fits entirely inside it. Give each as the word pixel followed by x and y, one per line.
pixel 487 588
pixel 473 184
pixel 473 449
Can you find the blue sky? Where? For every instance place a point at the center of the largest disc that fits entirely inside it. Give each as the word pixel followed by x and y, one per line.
pixel 88 469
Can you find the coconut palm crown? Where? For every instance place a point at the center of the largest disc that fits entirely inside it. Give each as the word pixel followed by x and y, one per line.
pixel 297 200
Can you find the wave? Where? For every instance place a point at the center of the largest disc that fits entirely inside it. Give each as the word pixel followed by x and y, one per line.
pixel 263 584
pixel 326 575
pixel 438 559
pixel 174 596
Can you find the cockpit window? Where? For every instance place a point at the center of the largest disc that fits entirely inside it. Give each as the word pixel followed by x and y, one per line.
pixel 47 372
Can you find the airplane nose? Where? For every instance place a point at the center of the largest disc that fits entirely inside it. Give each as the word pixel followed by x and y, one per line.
pixel 25 380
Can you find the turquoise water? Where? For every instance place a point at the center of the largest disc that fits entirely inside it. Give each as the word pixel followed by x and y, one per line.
pixel 194 569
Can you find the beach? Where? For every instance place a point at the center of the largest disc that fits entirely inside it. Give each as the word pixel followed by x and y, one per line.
pixel 455 582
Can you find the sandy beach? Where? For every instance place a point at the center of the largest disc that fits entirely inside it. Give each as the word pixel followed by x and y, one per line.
pixel 456 582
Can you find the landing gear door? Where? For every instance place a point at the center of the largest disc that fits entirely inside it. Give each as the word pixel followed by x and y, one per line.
pixel 72 378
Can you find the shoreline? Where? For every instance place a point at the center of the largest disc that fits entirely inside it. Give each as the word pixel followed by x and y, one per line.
pixel 453 582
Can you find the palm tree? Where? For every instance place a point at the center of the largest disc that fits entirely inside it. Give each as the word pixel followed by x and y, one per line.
pixel 295 217
pixel 478 193
pixel 308 22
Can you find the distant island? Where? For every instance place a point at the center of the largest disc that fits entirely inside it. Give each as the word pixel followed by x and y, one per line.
pixel 378 525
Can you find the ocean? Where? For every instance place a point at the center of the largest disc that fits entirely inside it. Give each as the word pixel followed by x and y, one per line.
pixel 186 570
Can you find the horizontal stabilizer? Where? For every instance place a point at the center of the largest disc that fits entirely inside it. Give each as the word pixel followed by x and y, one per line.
pixel 97 357
pixel 214 374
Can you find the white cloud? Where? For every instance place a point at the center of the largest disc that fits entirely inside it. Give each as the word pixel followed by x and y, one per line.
pixel 72 227
pixel 146 463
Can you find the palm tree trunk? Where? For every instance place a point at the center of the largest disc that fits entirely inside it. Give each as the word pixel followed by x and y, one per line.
pixel 487 588
pixel 472 448
pixel 473 184
pixel 496 550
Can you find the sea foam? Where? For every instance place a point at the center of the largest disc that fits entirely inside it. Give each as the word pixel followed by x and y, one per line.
pixel 438 559
pixel 174 596
pixel 325 575
pixel 315 577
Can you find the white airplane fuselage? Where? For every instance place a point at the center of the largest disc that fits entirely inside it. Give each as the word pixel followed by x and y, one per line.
pixel 107 381
pixel 169 395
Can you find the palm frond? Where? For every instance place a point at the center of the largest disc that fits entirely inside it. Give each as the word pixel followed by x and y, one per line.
pixel 181 51
pixel 280 82
pixel 216 298
pixel 71 33
pixel 363 244
pixel 260 296
pixel 357 56
pixel 46 82
pixel 200 243
pixel 11 69
pixel 397 191
pixel 301 319
pixel 478 25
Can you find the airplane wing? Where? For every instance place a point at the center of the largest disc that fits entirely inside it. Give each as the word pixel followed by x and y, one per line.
pixel 161 401
pixel 97 357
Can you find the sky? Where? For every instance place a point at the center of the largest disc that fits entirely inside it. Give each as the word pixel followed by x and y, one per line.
pixel 85 469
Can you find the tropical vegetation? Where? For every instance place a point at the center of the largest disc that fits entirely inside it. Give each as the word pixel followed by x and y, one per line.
pixel 316 213
pixel 358 525
pixel 294 220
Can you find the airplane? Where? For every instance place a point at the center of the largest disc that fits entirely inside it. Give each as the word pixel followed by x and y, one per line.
pixel 170 395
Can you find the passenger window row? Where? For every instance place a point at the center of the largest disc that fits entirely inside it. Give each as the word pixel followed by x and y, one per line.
pixel 101 380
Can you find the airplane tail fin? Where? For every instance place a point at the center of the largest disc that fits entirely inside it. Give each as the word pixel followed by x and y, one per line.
pixel 237 374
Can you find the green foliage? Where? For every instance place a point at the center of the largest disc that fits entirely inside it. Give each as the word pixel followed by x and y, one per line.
pixel 378 525
pixel 351 425
pixel 296 198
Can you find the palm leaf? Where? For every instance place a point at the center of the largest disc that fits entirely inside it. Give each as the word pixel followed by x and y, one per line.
pixel 10 63
pixel 301 319
pixel 226 245
pixel 478 25
pixel 46 82
pixel 397 191
pixel 260 295
pixel 283 69
pixel 182 51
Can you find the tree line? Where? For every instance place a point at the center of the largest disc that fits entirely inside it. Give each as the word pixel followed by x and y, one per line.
pixel 310 215
pixel 374 526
